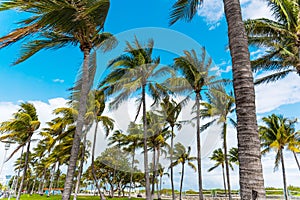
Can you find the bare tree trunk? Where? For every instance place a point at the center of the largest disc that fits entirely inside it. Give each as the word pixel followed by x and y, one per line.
pixel 250 170
pixel 147 188
pixel 283 176
pixel 226 159
pixel 198 98
pixel 79 126
pixel 171 160
pixel 24 170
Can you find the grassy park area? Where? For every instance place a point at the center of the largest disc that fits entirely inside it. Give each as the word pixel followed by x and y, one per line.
pixel 58 197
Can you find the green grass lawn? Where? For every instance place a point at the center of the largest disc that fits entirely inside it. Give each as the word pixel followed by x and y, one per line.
pixel 58 197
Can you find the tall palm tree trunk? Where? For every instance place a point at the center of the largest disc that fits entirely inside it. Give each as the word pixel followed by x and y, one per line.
pixel 131 172
pixel 51 180
pixel 198 98
pixel 226 159
pixel 77 187
pixel 156 171
pixel 148 194
pixel 93 163
pixel 24 170
pixel 247 131
pixel 57 176
pixel 283 176
pixel 79 125
pixel 153 172
pixel 171 160
pixel 295 156
pixel 41 186
pixel 33 186
pixel 181 182
pixel 18 175
pixel 224 180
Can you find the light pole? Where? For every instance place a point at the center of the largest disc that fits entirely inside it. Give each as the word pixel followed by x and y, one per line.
pixel 6 147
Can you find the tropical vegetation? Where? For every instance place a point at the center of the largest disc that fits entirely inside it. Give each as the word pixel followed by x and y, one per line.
pixel 61 157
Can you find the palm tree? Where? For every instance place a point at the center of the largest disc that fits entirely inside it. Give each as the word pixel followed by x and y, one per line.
pixel 133 140
pixel 161 172
pixel 108 126
pixel 219 157
pixel 194 78
pixel 277 134
pixel 233 155
pixel 131 73
pixel 158 134
pixel 220 104
pixel 21 128
pixel 247 130
pixel 57 24
pixel 170 111
pixel 280 37
pixel 182 156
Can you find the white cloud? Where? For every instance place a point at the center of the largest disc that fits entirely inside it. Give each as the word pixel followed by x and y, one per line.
pixel 272 95
pixel 44 111
pixel 58 80
pixel 253 9
pixel 213 11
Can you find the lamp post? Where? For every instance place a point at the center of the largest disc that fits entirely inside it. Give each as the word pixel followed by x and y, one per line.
pixel 6 147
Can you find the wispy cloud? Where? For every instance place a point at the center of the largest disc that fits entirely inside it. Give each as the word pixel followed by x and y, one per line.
pixel 273 95
pixel 58 80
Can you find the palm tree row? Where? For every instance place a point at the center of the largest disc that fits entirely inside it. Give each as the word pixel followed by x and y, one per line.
pixel 58 23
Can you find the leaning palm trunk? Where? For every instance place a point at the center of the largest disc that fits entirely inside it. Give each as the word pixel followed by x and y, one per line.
pixel 131 172
pixel 148 194
pixel 247 131
pixel 24 170
pixel 41 186
pixel 93 163
pixel 153 173
pixel 226 159
pixel 51 180
pixel 156 166
pixel 33 186
pixel 295 156
pixel 285 192
pixel 224 181
pixel 80 169
pixel 79 125
pixel 18 175
pixel 198 98
pixel 181 182
pixel 171 160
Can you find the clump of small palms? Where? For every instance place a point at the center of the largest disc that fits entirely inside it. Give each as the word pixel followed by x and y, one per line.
pixel 182 156
pixel 277 134
pixel 20 129
pixel 219 158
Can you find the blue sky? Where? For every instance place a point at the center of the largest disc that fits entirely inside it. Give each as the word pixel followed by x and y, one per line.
pixel 45 78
